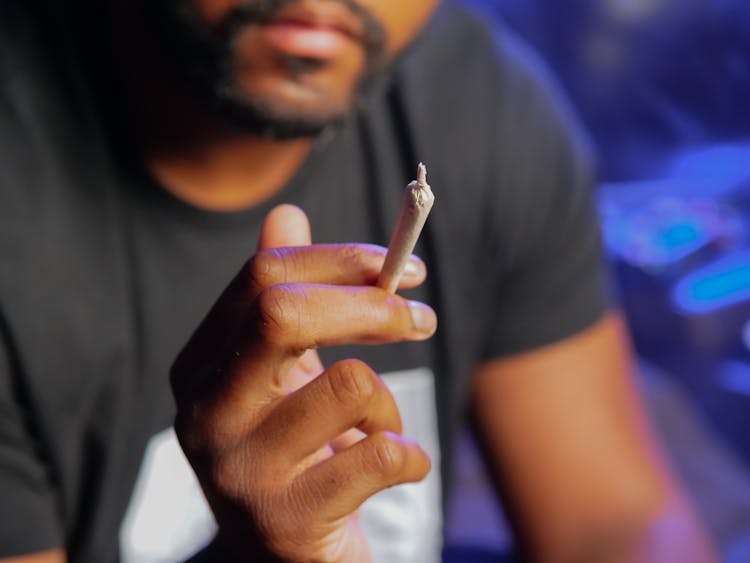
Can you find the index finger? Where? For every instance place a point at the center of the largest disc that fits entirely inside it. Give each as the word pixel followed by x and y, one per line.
pixel 331 264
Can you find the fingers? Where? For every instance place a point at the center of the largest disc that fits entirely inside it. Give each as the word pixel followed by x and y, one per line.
pixel 347 395
pixel 345 265
pixel 346 439
pixel 334 264
pixel 285 225
pixel 283 257
pixel 286 320
pixel 337 486
pixel 254 425
pixel 294 317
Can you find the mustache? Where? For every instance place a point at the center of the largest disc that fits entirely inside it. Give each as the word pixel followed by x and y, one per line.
pixel 255 12
pixel 202 56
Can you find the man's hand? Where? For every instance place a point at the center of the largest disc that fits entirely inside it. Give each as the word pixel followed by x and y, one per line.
pixel 269 432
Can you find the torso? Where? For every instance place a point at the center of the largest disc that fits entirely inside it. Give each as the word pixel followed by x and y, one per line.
pixel 109 275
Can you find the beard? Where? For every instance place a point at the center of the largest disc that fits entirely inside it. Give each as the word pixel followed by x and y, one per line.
pixel 204 61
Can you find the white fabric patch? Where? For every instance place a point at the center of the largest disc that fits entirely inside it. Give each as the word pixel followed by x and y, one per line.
pixel 404 524
pixel 169 519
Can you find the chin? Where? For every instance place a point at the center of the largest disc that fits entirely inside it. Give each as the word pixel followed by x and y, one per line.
pixel 285 109
pixel 279 117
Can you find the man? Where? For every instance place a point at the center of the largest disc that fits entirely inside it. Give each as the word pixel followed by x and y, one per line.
pixel 146 147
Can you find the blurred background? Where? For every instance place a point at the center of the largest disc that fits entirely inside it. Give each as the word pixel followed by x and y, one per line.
pixel 663 87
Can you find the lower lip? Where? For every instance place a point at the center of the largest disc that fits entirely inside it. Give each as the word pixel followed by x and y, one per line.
pixel 306 41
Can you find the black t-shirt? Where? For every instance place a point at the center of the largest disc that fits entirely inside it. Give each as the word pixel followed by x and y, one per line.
pixel 104 275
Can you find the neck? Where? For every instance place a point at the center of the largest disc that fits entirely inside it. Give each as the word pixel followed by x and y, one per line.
pixel 192 153
pixel 221 170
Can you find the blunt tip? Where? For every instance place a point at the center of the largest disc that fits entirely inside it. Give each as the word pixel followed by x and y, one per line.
pixel 422 173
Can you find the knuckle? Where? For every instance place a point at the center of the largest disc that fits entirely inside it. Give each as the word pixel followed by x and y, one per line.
pixel 353 259
pixel 278 313
pixel 278 518
pixel 384 456
pixel 264 269
pixel 229 477
pixel 283 523
pixel 284 536
pixel 352 383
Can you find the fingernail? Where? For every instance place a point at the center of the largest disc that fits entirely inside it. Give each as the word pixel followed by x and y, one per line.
pixel 423 317
pixel 412 268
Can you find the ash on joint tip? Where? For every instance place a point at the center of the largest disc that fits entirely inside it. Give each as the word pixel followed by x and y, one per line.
pixel 422 191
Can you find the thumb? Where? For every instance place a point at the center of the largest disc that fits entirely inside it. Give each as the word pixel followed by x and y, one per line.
pixel 285 225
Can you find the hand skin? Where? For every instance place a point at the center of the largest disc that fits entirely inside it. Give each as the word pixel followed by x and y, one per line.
pixel 270 433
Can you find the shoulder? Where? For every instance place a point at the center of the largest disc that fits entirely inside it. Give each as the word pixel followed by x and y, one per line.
pixel 512 173
pixel 50 139
pixel 55 176
pixel 492 123
pixel 469 50
pixel 471 73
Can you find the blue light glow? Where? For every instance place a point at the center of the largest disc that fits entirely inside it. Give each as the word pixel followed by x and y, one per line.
pixel 727 164
pixel 721 284
pixel 679 235
pixel 735 376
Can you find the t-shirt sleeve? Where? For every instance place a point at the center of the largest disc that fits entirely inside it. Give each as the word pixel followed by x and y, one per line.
pixel 29 519
pixel 549 280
